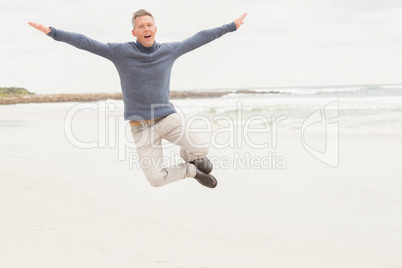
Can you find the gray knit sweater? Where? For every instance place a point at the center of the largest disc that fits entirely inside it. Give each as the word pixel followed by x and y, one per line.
pixel 144 72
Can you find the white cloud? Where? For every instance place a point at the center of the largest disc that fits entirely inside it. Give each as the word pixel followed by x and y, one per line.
pixel 282 43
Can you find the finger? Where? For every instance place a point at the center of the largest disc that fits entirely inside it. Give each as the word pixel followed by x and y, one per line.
pixel 243 16
pixel 40 27
pixel 35 25
pixel 240 21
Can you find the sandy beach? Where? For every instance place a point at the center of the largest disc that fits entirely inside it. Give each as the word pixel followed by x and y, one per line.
pixel 309 215
pixel 63 205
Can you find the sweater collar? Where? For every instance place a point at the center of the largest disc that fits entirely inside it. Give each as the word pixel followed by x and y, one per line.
pixel 145 49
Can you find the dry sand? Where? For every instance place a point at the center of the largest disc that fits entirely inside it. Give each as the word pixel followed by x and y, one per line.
pixel 309 215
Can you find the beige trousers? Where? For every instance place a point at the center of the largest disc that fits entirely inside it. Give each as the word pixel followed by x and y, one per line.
pixel 148 139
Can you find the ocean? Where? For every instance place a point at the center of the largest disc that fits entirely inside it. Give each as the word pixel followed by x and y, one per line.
pixel 359 109
pixel 248 120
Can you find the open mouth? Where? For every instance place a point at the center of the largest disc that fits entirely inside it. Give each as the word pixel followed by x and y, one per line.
pixel 147 37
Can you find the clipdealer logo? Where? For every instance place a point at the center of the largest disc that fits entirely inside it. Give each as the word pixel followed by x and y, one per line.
pixel 328 116
pixel 113 132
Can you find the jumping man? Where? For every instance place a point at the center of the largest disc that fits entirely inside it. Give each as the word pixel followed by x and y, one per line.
pixel 144 68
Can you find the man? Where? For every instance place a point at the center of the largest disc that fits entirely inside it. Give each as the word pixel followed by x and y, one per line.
pixel 144 68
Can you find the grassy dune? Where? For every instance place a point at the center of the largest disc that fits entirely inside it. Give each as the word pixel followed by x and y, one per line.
pixel 7 92
pixel 20 95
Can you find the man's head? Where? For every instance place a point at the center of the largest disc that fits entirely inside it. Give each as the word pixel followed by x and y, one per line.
pixel 144 28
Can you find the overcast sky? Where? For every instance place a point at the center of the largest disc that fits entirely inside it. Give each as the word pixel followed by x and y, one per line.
pixel 282 43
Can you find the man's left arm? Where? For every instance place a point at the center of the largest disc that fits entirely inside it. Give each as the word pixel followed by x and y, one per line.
pixel 206 36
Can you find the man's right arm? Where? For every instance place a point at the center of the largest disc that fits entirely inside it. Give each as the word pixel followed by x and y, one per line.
pixel 77 40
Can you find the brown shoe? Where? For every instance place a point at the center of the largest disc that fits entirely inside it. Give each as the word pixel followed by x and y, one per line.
pixel 205 179
pixel 203 164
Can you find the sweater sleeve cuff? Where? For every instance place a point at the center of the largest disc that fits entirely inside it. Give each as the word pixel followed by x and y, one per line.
pixel 231 26
pixel 52 32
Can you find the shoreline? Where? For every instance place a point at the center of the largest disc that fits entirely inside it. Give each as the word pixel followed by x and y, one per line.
pixel 54 98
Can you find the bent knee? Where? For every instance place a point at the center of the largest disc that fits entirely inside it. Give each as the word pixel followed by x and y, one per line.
pixel 156 184
pixel 157 179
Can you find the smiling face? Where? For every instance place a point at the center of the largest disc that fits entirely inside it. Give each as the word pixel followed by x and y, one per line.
pixel 145 30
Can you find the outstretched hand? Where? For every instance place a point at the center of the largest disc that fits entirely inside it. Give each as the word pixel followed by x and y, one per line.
pixel 240 21
pixel 44 29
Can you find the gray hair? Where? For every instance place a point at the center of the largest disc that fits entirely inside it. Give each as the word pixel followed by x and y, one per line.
pixel 140 13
